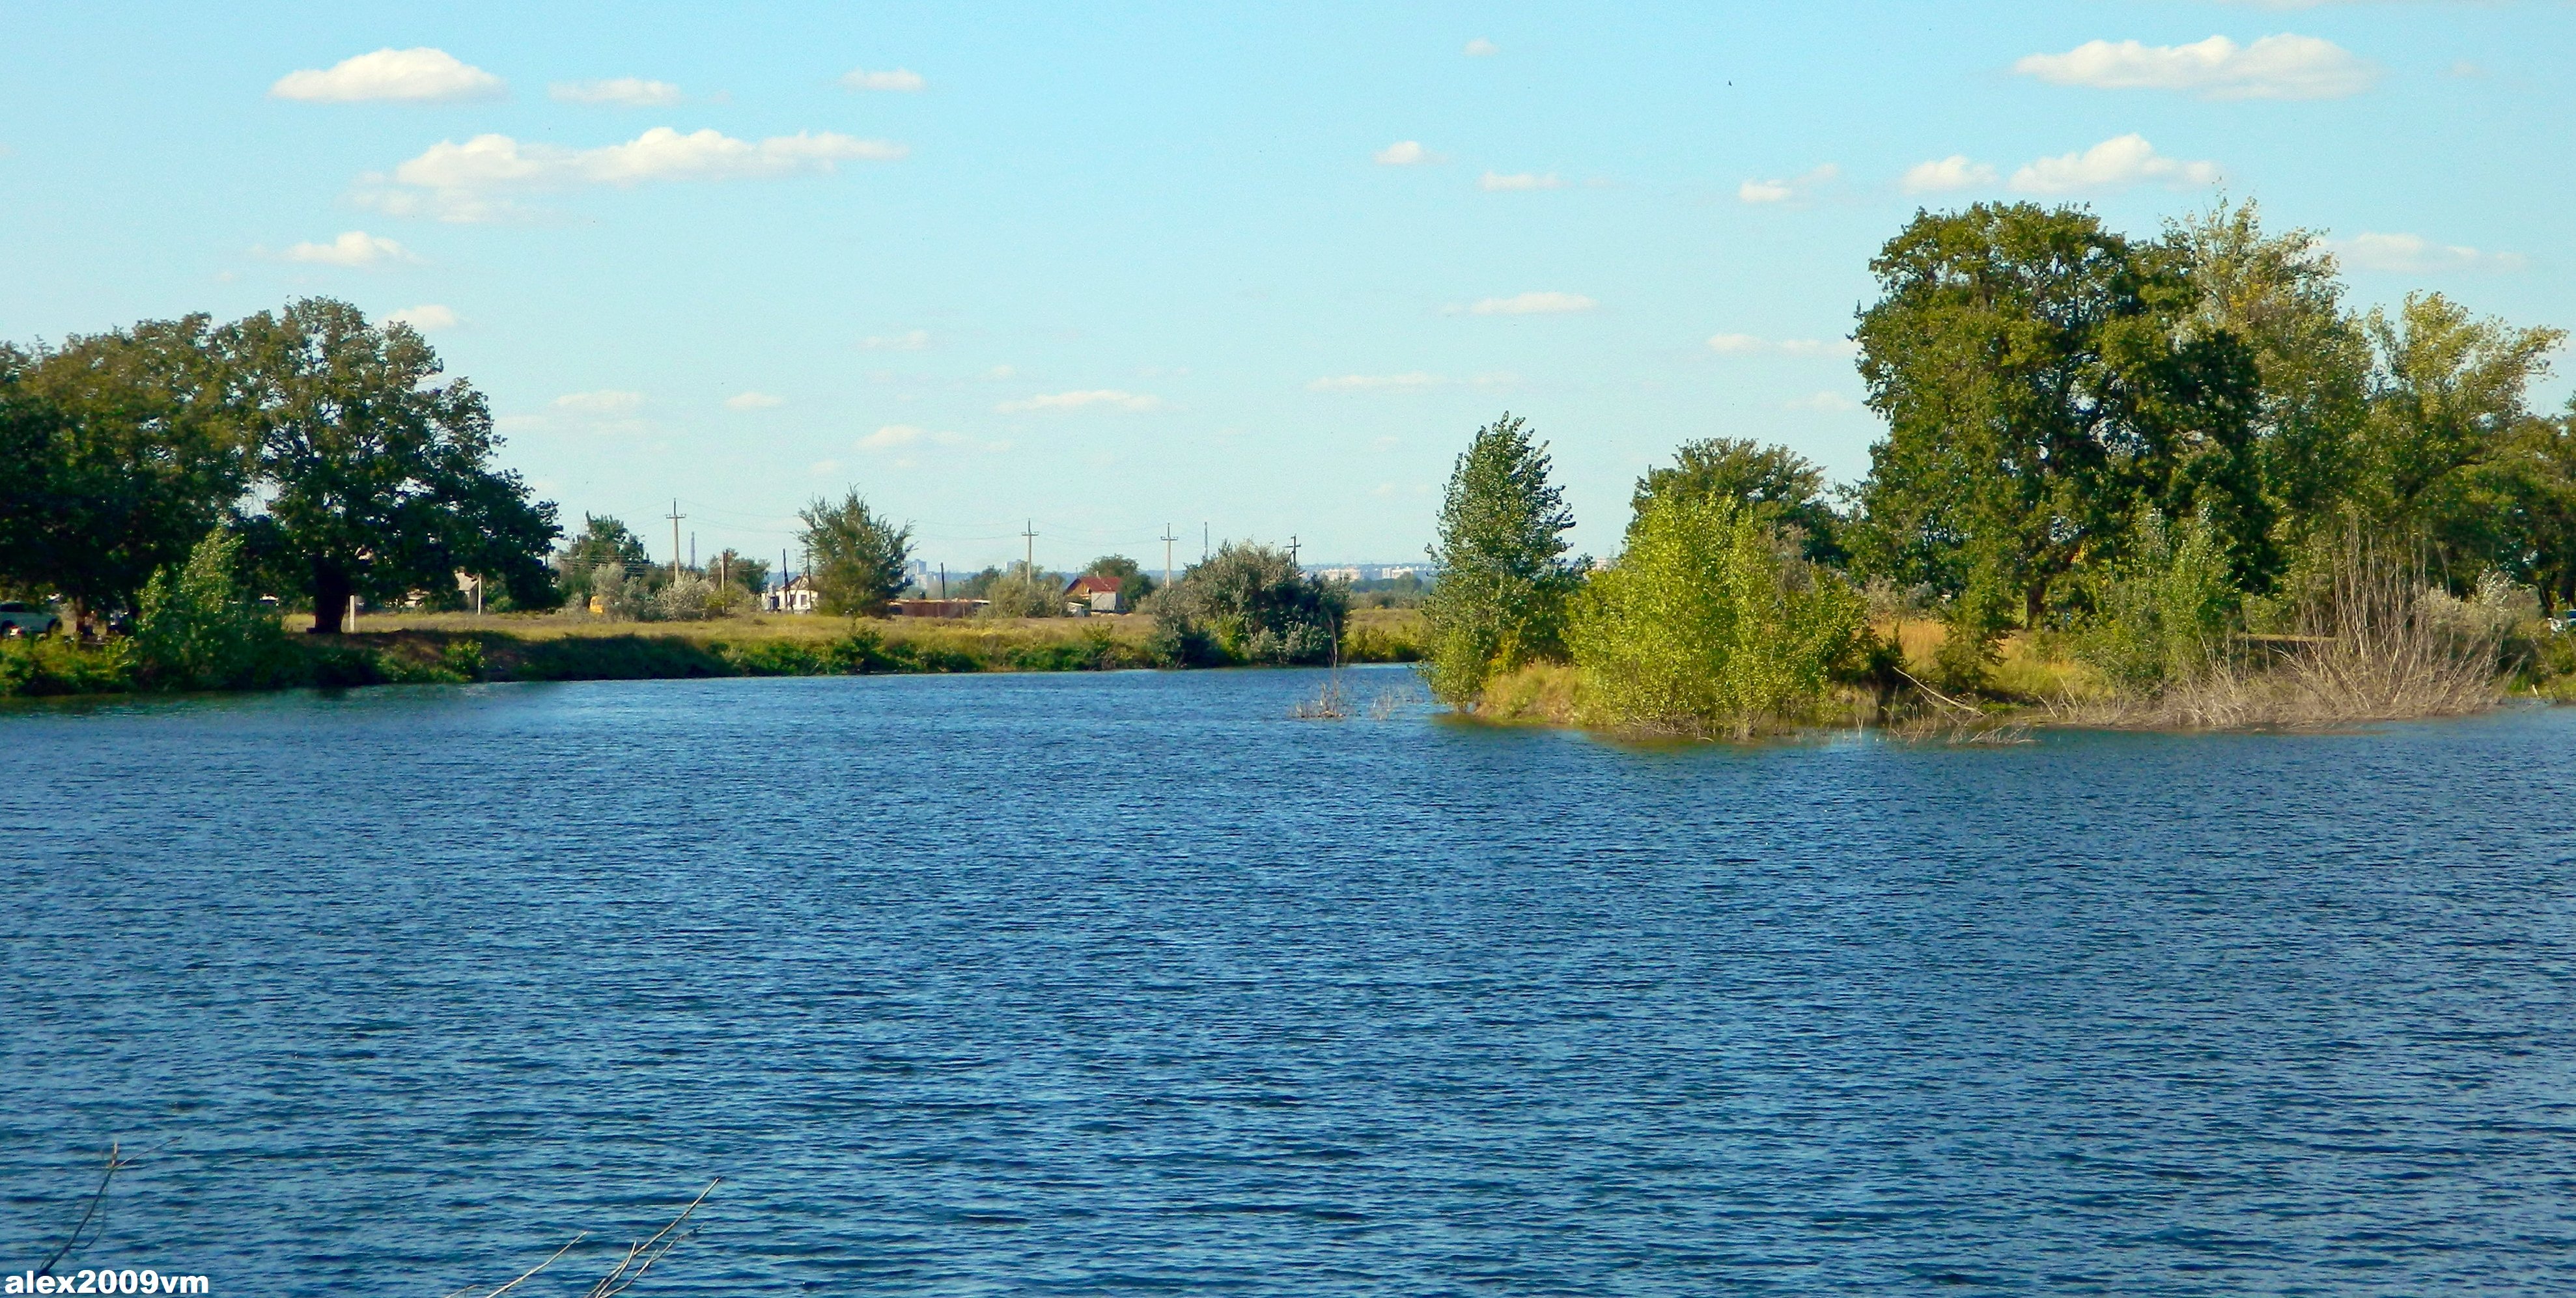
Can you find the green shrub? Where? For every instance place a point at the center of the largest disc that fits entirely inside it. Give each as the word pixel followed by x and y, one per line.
pixel 2162 617
pixel 1705 624
pixel 197 630
pixel 1249 604
pixel 57 665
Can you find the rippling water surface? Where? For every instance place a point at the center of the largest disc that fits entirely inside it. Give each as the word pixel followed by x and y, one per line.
pixel 1130 984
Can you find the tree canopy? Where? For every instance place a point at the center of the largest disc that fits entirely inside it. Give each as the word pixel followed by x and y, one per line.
pixel 378 480
pixel 859 557
pixel 1504 579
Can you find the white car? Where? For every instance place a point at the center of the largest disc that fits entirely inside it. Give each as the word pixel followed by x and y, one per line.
pixel 20 618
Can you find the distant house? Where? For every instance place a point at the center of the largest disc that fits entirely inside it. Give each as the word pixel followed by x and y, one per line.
pixel 1092 595
pixel 797 596
pixel 1347 572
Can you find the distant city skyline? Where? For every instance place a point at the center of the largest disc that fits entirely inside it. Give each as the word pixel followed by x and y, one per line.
pixel 1107 272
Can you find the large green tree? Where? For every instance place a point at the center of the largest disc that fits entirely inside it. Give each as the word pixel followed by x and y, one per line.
pixel 2041 387
pixel 377 479
pixel 2281 295
pixel 858 555
pixel 1499 600
pixel 123 450
pixel 2448 392
pixel 1776 485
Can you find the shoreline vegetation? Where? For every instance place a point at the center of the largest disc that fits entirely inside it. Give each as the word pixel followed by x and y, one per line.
pixel 2169 482
pixel 2163 483
pixel 457 648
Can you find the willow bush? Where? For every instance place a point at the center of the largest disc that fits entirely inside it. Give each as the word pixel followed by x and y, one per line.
pixel 1705 625
pixel 2163 616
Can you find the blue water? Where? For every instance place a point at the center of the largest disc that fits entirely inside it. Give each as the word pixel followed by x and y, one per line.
pixel 1131 984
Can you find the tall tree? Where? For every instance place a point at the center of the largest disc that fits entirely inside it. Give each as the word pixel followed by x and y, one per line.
pixel 125 453
pixel 1500 597
pixel 2448 392
pixel 1776 485
pixel 603 541
pixel 2039 389
pixel 2281 295
pixel 859 556
pixel 379 480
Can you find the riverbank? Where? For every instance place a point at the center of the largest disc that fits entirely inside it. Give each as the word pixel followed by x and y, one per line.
pixel 2038 681
pixel 456 648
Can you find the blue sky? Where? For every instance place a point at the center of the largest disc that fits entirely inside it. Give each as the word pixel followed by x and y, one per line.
pixel 1113 268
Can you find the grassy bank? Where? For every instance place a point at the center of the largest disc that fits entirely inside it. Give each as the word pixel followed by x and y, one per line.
pixel 458 648
pixel 2274 682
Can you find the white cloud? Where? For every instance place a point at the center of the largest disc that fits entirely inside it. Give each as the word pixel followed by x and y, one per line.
pixel 605 401
pixel 913 341
pixel 459 182
pixel 1402 153
pixel 352 248
pixel 753 401
pixel 1480 48
pixel 1533 304
pixel 428 317
pixel 1781 191
pixel 1493 181
pixel 1827 402
pixel 2274 67
pixel 416 75
pixel 902 80
pixel 1742 344
pixel 1413 380
pixel 2113 164
pixel 2413 254
pixel 893 436
pixel 617 92
pixel 1953 172
pixel 1109 397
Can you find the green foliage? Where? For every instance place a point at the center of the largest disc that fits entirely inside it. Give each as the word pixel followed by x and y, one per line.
pixel 378 479
pixel 858 556
pixel 1778 485
pixel 2040 381
pixel 603 542
pixel 60 665
pixel 1500 597
pixel 2163 614
pixel 121 451
pixel 1247 603
pixel 1704 624
pixel 734 569
pixel 2312 360
pixel 197 630
pixel 1018 593
pixel 1134 587
pixel 2449 389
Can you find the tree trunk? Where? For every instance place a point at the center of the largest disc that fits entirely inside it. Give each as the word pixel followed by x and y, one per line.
pixel 331 593
pixel 2034 601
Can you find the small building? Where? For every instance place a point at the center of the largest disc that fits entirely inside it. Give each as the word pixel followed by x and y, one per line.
pixel 797 596
pixel 1092 595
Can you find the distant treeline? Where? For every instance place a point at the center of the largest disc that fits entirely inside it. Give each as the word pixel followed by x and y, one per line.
pixel 2143 446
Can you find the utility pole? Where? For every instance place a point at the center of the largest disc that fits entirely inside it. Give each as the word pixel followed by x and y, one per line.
pixel 1292 549
pixel 676 516
pixel 693 552
pixel 1030 566
pixel 1203 542
pixel 1168 538
pixel 943 584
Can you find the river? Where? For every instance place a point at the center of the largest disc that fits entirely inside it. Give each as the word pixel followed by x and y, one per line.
pixel 1131 983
